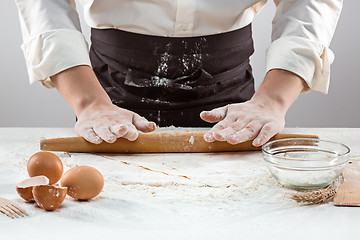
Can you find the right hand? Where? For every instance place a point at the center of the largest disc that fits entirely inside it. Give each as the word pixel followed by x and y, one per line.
pixel 108 122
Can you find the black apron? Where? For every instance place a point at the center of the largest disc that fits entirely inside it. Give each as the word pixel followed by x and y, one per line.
pixel 171 80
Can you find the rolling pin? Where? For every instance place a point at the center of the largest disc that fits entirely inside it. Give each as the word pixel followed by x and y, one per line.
pixel 162 142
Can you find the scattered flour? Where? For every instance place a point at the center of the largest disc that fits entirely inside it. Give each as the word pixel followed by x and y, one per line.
pixel 163 64
pixel 148 194
pixel 191 140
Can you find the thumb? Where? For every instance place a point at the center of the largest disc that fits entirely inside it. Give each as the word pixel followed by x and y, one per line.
pixel 143 124
pixel 214 115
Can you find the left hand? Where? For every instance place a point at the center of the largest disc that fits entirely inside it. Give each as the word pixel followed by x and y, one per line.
pixel 262 116
pixel 242 122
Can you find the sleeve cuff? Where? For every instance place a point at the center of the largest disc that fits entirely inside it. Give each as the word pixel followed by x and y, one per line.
pixel 309 60
pixel 52 52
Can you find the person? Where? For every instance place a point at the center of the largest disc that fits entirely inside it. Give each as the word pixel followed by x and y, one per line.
pixel 181 63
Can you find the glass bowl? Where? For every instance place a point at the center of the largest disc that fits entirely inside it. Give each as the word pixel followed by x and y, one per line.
pixel 305 163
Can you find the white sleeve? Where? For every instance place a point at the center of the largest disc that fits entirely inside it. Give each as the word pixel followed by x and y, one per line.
pixel 52 37
pixel 302 32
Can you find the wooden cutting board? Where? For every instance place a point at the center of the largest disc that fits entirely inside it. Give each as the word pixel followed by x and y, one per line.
pixel 170 142
pixel 348 194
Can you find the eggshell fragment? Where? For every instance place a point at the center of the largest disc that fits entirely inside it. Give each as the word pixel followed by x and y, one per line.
pixel 49 197
pixel 83 182
pixel 25 187
pixel 47 164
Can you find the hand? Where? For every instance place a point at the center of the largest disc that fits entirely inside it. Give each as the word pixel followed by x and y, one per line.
pixel 98 118
pixel 109 122
pixel 259 118
pixel 243 122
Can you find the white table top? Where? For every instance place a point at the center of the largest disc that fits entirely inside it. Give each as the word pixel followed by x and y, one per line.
pixel 146 196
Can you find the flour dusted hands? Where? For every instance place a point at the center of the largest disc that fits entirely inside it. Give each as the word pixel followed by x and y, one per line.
pixel 242 122
pixel 259 118
pixel 98 119
pixel 110 122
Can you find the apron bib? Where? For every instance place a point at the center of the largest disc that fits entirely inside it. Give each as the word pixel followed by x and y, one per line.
pixel 171 80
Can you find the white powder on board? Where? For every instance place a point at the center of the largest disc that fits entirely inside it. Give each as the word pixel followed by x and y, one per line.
pixel 196 178
pixel 231 192
pixel 191 140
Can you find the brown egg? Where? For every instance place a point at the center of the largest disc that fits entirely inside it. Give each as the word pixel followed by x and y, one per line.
pixel 47 164
pixel 49 197
pixel 25 187
pixel 83 182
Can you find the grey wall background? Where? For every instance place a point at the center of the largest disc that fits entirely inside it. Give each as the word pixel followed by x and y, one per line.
pixel 25 105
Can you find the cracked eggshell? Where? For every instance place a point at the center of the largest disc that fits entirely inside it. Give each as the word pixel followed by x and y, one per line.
pixel 83 182
pixel 49 197
pixel 47 164
pixel 25 187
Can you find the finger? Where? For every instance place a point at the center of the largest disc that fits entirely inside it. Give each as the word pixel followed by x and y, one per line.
pixel 119 130
pixel 214 115
pixel 224 134
pixel 209 137
pixel 132 133
pixel 104 132
pixel 213 134
pixel 143 124
pixel 88 134
pixel 219 132
pixel 249 132
pixel 267 132
pixel 234 127
pixel 215 131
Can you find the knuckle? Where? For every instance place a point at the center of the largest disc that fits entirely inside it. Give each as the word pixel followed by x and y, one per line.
pixel 221 125
pixel 251 129
pixel 236 126
pixel 233 126
pixel 116 127
pixel 103 129
pixel 242 118
pixel 268 127
pixel 97 125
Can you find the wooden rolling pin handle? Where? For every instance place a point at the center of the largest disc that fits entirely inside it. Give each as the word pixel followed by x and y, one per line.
pixel 174 142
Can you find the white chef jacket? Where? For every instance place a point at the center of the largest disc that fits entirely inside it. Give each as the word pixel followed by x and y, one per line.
pixel 301 34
